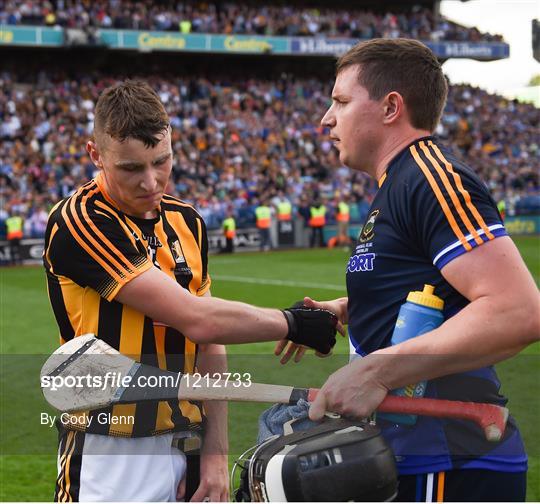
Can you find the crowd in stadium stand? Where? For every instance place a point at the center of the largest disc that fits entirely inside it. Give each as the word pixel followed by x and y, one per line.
pixel 240 143
pixel 233 18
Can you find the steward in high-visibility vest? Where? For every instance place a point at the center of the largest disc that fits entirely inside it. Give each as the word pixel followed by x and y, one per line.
pixel 343 214
pixel 229 230
pixel 284 209
pixel 262 216
pixel 14 227
pixel 501 207
pixel 229 227
pixel 185 26
pixel 317 216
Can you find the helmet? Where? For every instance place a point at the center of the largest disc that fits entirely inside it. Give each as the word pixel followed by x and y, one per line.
pixel 336 460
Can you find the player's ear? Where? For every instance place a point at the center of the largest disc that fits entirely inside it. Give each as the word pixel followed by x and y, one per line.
pixel 93 152
pixel 393 107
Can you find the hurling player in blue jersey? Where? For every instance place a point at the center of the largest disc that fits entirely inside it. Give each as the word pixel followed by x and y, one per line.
pixel 432 222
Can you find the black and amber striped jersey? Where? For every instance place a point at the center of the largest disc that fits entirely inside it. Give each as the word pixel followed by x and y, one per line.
pixel 430 209
pixel 91 250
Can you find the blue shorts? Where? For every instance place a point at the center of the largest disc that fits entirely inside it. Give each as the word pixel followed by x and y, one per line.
pixel 463 485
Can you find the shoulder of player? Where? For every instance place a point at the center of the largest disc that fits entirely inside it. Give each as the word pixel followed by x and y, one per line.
pixel 88 202
pixel 171 204
pixel 428 163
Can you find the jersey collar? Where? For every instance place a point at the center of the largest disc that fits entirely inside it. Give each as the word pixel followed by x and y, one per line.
pixel 383 177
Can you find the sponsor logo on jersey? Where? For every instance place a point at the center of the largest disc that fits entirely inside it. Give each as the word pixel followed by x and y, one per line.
pixel 153 245
pixel 368 232
pixel 361 262
pixel 153 241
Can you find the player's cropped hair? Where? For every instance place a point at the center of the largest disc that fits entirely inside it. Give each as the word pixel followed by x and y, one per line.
pixel 130 109
pixel 405 66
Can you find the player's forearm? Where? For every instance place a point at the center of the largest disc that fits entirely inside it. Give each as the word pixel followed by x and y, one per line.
pixel 225 322
pixel 201 319
pixel 212 320
pixel 235 322
pixel 213 360
pixel 486 331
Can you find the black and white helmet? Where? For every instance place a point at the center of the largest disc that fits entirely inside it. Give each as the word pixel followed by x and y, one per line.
pixel 336 460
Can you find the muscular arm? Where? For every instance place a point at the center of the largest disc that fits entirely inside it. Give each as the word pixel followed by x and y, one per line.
pixel 502 318
pixel 201 319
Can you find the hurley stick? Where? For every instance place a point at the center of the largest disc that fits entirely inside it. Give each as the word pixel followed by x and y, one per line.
pixel 86 373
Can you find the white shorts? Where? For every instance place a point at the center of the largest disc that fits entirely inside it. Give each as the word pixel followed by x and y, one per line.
pixel 118 469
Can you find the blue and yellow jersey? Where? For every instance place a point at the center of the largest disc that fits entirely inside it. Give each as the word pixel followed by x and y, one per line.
pixel 430 208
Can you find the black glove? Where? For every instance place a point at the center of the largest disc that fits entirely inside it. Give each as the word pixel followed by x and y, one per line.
pixel 311 327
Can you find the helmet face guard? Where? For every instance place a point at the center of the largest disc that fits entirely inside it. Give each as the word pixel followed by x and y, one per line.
pixel 337 460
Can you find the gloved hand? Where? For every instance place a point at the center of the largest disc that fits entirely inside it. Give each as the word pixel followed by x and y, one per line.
pixel 311 327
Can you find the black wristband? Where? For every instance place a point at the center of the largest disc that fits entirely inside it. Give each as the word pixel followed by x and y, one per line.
pixel 291 324
pixel 311 327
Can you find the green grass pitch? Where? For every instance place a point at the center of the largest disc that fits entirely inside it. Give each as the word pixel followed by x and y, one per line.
pixel 276 279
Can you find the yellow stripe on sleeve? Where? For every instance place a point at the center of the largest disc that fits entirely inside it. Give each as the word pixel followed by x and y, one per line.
pixel 440 199
pixel 125 268
pixel 465 193
pixel 452 193
pixel 84 246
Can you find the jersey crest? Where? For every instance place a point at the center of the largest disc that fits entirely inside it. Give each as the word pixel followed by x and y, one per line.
pixel 368 231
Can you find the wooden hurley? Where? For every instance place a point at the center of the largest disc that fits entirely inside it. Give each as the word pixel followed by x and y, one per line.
pixel 86 373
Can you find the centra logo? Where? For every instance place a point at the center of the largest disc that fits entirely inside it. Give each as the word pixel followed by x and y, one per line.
pixel 368 232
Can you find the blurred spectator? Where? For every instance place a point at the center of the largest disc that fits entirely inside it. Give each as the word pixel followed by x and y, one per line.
pixel 192 16
pixel 239 142
pixel 35 225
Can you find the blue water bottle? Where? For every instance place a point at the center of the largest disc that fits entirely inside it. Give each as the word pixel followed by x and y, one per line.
pixel 420 314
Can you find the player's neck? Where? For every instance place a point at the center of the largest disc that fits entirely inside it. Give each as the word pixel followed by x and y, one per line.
pixel 393 145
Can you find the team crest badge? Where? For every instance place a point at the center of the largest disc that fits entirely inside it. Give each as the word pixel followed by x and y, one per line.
pixel 368 231
pixel 177 252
